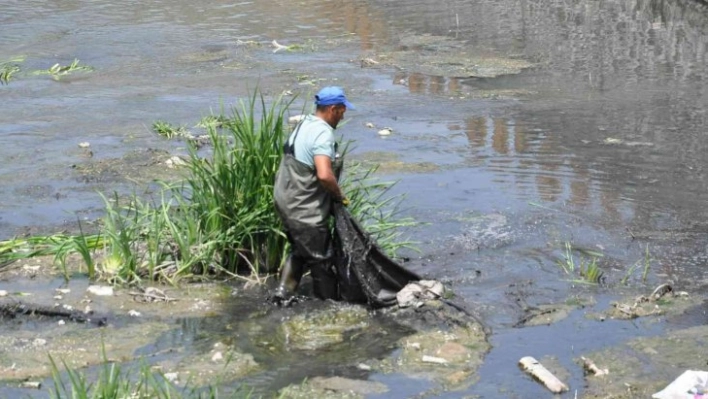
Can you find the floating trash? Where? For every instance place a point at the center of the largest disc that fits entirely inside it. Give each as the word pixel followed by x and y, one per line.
pixel 294 120
pixel 385 131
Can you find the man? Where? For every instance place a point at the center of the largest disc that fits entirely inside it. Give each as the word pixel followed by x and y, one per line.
pixel 305 186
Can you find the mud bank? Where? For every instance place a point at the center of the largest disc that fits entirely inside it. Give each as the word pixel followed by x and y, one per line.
pixel 200 333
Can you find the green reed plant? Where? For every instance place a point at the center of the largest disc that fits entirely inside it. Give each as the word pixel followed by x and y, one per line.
pixel 83 244
pixel 586 269
pixel 644 263
pixel 167 130
pixel 231 194
pixel 9 68
pixel 113 382
pixel 58 245
pixel 122 226
pixel 213 121
pixel 56 71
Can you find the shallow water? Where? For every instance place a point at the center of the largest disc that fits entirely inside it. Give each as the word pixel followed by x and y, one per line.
pixel 599 142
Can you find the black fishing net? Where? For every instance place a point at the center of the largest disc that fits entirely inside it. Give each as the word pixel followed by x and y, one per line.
pixel 366 274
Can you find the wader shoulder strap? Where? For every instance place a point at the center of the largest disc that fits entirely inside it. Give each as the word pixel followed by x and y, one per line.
pixel 289 149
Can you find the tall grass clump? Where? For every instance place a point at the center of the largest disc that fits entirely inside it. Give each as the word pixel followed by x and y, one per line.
pixel 231 194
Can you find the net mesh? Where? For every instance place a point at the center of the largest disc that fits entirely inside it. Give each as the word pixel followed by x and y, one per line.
pixel 366 274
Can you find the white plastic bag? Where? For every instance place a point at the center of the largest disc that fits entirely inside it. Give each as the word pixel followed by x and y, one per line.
pixel 690 385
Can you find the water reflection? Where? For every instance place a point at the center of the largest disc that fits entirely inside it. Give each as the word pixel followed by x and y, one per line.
pixel 419 83
pixel 629 71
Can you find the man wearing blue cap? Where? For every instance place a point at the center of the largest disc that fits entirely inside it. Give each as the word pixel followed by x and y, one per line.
pixel 305 186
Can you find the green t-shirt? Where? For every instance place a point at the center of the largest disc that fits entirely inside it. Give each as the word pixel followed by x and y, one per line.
pixel 314 137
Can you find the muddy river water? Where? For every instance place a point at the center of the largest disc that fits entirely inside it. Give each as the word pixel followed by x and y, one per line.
pixel 518 126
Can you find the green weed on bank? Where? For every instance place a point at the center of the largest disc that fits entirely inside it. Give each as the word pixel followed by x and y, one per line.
pixel 113 382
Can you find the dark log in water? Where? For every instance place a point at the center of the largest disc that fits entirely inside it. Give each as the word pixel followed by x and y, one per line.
pixel 15 308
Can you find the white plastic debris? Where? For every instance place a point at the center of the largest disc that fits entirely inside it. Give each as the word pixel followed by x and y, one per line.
pixel 84 144
pixel 133 313
pixel 295 119
pixel 100 290
pixel 175 161
pixel 591 367
pixel 536 369
pixel 61 322
pixel 31 384
pixel 278 46
pixel 3 293
pixel 414 345
pixel 171 377
pixel 385 131
pixel 370 125
pixel 217 357
pixel 689 385
pixel 433 359
pixel 414 294
pixel 63 291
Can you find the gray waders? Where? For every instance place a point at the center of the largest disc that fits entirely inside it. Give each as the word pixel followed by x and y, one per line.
pixel 304 207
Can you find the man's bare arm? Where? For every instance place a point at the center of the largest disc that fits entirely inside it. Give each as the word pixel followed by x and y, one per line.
pixel 325 174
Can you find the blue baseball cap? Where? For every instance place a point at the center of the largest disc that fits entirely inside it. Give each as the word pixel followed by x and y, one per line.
pixel 332 95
